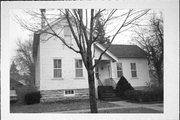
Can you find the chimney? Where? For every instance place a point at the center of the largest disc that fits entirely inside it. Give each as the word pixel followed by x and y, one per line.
pixel 43 12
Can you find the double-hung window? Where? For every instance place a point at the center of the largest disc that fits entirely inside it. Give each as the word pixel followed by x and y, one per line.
pixel 67 35
pixel 119 70
pixel 78 68
pixel 133 70
pixel 57 68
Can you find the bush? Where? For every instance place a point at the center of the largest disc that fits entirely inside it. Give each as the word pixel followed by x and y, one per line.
pixel 32 98
pixel 22 91
pixel 122 86
pixel 144 96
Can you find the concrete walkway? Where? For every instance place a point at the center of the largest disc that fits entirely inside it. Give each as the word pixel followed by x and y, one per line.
pixel 157 106
pixel 122 105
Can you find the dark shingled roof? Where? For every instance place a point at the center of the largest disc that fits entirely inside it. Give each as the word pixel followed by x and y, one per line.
pixel 127 51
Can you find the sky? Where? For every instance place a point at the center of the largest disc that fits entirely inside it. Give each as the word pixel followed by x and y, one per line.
pixel 16 32
pixel 19 33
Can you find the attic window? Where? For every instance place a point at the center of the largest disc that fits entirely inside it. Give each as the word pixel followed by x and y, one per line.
pixel 67 35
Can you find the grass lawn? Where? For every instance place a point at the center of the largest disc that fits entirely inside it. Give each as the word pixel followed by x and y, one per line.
pixel 56 106
pixel 130 110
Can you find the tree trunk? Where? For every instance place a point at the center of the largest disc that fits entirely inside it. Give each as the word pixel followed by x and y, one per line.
pixel 159 75
pixel 92 94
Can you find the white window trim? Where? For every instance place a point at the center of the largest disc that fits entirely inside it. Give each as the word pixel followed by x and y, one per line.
pixel 57 78
pixel 78 68
pixel 134 70
pixel 119 70
pixel 69 95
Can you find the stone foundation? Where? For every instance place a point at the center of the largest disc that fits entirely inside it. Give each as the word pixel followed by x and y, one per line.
pixel 58 95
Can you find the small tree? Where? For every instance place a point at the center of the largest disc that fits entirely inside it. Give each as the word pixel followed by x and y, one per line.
pixel 150 38
pixel 87 31
pixel 25 61
pixel 14 73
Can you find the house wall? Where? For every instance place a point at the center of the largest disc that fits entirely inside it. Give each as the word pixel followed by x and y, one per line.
pixel 141 67
pixel 53 49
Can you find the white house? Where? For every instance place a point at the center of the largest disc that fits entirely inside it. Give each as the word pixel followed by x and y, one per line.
pixel 60 73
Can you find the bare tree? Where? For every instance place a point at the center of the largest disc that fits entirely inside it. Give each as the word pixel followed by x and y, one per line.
pixel 82 23
pixel 24 59
pixel 150 38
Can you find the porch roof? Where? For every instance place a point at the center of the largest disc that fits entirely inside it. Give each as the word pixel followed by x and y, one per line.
pixel 126 51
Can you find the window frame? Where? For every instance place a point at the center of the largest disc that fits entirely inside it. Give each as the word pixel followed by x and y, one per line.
pixel 67 35
pixel 133 70
pixel 69 95
pixel 79 69
pixel 59 68
pixel 119 70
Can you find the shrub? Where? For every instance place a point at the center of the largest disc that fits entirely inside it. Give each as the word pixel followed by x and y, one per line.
pixel 122 86
pixel 22 91
pixel 144 96
pixel 32 98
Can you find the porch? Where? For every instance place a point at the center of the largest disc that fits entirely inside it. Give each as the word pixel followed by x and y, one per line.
pixel 103 73
pixel 105 83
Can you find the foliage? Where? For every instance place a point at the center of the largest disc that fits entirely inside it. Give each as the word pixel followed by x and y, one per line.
pixel 22 91
pixel 14 73
pixel 151 39
pixel 100 28
pixel 32 98
pixel 25 61
pixel 144 96
pixel 122 86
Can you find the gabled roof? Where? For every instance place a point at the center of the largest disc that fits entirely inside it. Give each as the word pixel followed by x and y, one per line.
pixel 126 51
pixel 107 52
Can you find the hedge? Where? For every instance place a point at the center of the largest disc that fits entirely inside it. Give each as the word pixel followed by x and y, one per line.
pixel 22 91
pixel 144 96
pixel 32 98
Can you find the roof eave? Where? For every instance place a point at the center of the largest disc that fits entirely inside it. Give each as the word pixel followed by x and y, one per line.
pixel 107 52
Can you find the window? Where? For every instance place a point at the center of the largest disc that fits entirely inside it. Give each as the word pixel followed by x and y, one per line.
pixel 78 68
pixel 57 68
pixel 119 70
pixel 133 70
pixel 69 93
pixel 67 35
